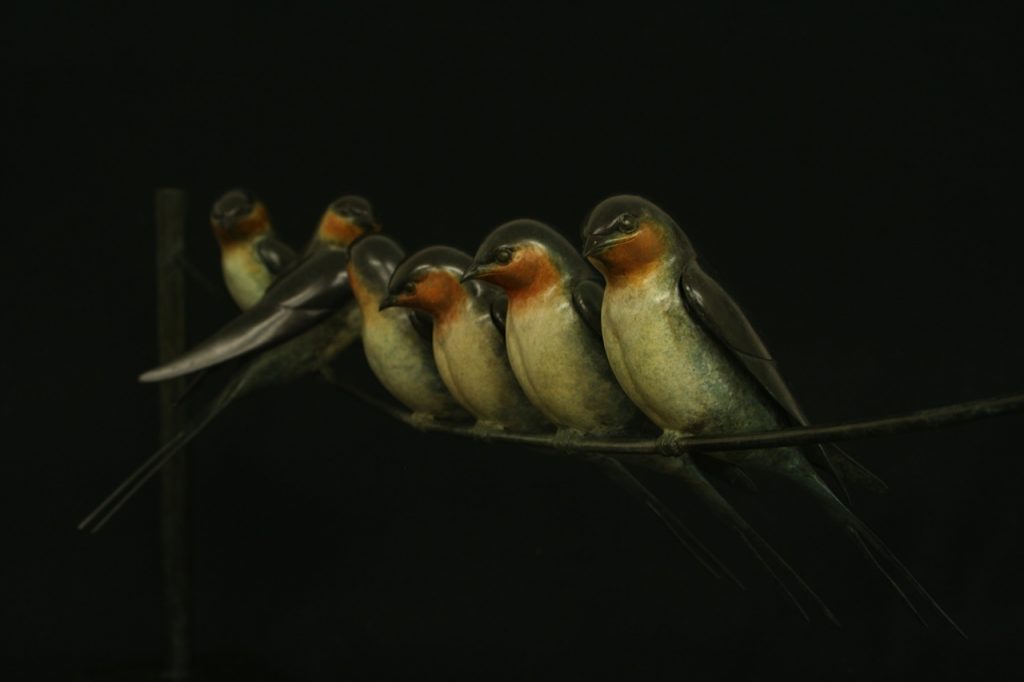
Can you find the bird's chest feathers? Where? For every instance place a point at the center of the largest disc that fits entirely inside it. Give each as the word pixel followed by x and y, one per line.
pixel 540 333
pixel 466 349
pixel 561 367
pixel 657 352
pixel 646 324
pixel 245 276
pixel 471 357
pixel 402 360
pixel 384 336
pixel 394 350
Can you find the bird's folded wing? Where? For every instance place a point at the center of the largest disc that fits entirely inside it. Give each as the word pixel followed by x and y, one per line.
pixel 723 318
pixel 276 254
pixel 316 287
pixel 725 321
pixel 497 303
pixel 587 297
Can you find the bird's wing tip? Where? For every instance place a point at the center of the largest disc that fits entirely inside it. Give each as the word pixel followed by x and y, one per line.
pixel 149 377
pixel 162 374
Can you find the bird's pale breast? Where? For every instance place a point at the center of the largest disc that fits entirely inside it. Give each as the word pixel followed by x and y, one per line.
pixel 403 362
pixel 245 276
pixel 471 357
pixel 670 367
pixel 561 367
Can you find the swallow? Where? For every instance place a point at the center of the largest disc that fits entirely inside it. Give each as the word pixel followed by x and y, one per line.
pixel 553 336
pixel 469 350
pixel 346 220
pixel 251 255
pixel 309 290
pixel 396 340
pixel 468 337
pixel 304 320
pixel 687 355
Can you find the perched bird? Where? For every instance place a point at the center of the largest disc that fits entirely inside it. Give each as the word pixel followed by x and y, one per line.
pixel 397 344
pixel 304 320
pixel 312 288
pixel 553 299
pixel 553 334
pixel 344 221
pixel 468 337
pixel 251 255
pixel 469 349
pixel 688 357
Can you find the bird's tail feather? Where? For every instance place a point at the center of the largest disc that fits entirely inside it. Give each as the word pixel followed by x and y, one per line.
pixel 625 479
pixel 777 567
pixel 819 455
pixel 875 550
pixel 193 383
pixel 734 474
pixel 106 509
pixel 612 468
pixel 846 467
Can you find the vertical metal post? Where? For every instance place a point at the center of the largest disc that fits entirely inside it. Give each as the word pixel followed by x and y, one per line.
pixel 170 288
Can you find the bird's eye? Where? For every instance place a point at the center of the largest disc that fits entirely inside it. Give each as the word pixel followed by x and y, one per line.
pixel 627 223
pixel 503 255
pixel 409 289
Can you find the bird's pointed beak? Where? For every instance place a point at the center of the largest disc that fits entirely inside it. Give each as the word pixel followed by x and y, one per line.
pixel 474 272
pixel 602 239
pixel 388 302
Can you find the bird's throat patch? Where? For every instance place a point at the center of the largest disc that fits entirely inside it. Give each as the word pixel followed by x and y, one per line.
pixel 440 294
pixel 532 275
pixel 338 230
pixel 250 227
pixel 634 259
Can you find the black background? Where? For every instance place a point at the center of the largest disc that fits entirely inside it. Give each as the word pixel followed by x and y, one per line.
pixel 852 177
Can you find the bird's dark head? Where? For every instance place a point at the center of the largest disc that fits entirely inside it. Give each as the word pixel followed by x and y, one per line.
pixel 346 220
pixel 238 215
pixel 627 235
pixel 372 261
pixel 429 280
pixel 523 257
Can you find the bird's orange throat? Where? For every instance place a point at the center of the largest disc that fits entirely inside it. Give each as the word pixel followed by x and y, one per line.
pixel 632 260
pixel 530 275
pixel 440 294
pixel 334 229
pixel 251 226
